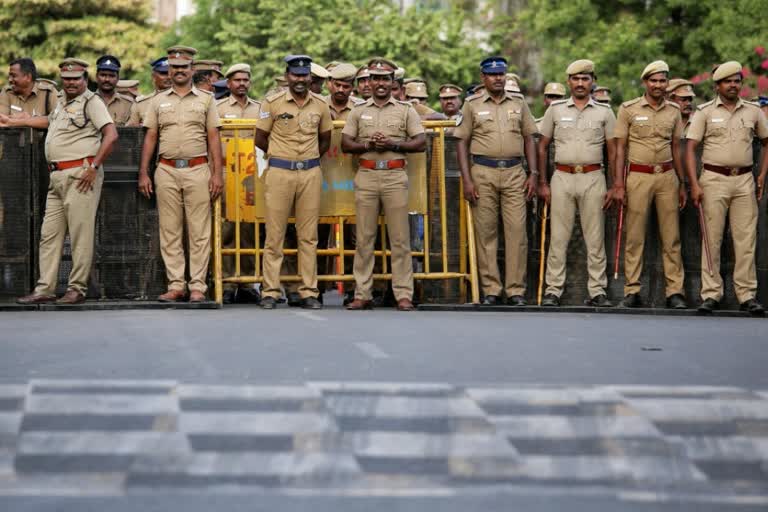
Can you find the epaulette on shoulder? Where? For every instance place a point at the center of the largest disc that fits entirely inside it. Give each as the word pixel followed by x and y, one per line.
pixel 146 97
pixel 221 101
pixel 90 94
pixel 475 96
pixel 673 104
pixel 631 102
pixel 209 93
pixel 125 97
pixel 705 105
pixel 318 96
pixel 604 105
pixel 358 101
pixel 251 100
pixel 559 102
pixel 753 103
pixel 44 83
pixel 275 95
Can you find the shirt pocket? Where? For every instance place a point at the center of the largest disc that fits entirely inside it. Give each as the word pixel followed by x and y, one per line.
pixel 717 129
pixel 566 129
pixel 513 120
pixel 308 122
pixel 484 123
pixel 75 118
pixel 198 113
pixel 394 128
pixel 745 131
pixel 664 128
pixel 641 127
pixel 166 115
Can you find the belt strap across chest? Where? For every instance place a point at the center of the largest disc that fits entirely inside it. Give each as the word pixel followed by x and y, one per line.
pixel 69 164
pixel 183 164
pixel 651 169
pixel 294 165
pixel 728 171
pixel 379 165
pixel 497 163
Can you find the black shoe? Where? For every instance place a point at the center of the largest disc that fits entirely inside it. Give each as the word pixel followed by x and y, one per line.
pixel 349 297
pixel 248 296
pixel 631 300
pixel 708 306
pixel 294 300
pixel 378 298
pixel 491 300
pixel 550 300
pixel 676 301
pixel 268 303
pixel 752 307
pixel 230 296
pixel 599 301
pixel 311 303
pixel 516 300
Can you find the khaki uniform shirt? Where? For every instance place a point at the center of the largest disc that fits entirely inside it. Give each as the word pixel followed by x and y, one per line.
pixel 74 128
pixel 495 130
pixel 119 107
pixel 293 130
pixel 139 109
pixel 182 122
pixel 579 135
pixel 341 114
pixel 230 108
pixel 648 131
pixel 41 101
pixel 423 110
pixel 727 136
pixel 397 120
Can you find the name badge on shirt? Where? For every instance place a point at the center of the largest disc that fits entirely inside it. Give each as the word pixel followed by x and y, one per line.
pixel 14 107
pixel 363 116
pixel 230 116
pixel 717 119
pixel 566 119
pixel 641 118
pixel 484 113
pixel 163 105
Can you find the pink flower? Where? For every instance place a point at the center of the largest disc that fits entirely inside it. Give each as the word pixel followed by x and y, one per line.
pixel 760 50
pixel 746 92
pixel 746 71
pixel 762 83
pixel 764 65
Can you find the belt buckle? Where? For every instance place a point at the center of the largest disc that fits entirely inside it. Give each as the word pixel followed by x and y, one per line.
pixel 181 164
pixel 657 169
pixel 734 171
pixel 578 169
pixel 380 165
pixel 299 165
pixel 502 163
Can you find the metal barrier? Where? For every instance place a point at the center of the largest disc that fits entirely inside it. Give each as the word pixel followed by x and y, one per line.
pixel 242 165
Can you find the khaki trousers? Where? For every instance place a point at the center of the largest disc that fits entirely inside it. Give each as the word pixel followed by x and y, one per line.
pixel 501 189
pixel 586 193
pixel 733 196
pixel 642 190
pixel 283 189
pixel 183 194
pixel 387 188
pixel 67 209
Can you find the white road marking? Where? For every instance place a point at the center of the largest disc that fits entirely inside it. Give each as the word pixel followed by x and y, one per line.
pixel 309 316
pixel 371 350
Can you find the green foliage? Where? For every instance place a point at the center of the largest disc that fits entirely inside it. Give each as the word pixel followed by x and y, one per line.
pixel 433 44
pixel 623 36
pixel 50 30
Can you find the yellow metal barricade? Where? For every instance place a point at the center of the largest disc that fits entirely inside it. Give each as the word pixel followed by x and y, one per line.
pixel 244 203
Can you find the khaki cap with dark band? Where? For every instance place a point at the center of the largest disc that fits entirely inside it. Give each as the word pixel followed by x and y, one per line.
pixel 72 68
pixel 450 91
pixel 181 55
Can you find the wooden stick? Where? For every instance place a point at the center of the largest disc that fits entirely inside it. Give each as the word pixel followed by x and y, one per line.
pixel 542 255
pixel 705 239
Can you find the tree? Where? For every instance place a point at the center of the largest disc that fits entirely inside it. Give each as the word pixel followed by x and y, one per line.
pixel 433 44
pixel 50 30
pixel 623 36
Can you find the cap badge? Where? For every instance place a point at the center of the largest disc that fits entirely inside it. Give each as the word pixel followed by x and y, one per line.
pixel 301 63
pixel 178 55
pixel 69 67
pixel 378 65
pixel 108 62
pixel 493 64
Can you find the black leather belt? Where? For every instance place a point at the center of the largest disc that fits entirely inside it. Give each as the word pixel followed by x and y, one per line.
pixel 497 163
pixel 294 165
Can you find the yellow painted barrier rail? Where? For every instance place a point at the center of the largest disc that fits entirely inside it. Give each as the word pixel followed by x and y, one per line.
pixel 243 206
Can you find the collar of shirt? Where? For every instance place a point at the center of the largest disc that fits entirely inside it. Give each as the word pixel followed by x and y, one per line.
pixel 570 103
pixel 389 101
pixel 507 96
pixel 79 98
pixel 171 90
pixel 719 102
pixel 644 103
pixel 231 100
pixel 348 106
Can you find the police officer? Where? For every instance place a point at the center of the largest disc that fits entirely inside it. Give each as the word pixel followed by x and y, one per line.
pixel 188 174
pixel 398 87
pixel 238 106
pixel 294 129
pixel 161 80
pixel 26 94
pixel 128 88
pixel 602 95
pixel 725 127
pixel 205 73
pixel 580 127
pixel 648 131
pixel 681 92
pixel 553 91
pixel 363 79
pixel 81 135
pixel 382 131
pixel 450 100
pixel 319 76
pixel 340 84
pixel 416 93
pixel 107 75
pixel 496 129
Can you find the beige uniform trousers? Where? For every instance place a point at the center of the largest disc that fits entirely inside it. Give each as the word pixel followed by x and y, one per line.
pixel 284 189
pixel 733 196
pixel 586 193
pixel 501 189
pixel 183 194
pixel 642 190
pixel 387 188
pixel 68 209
